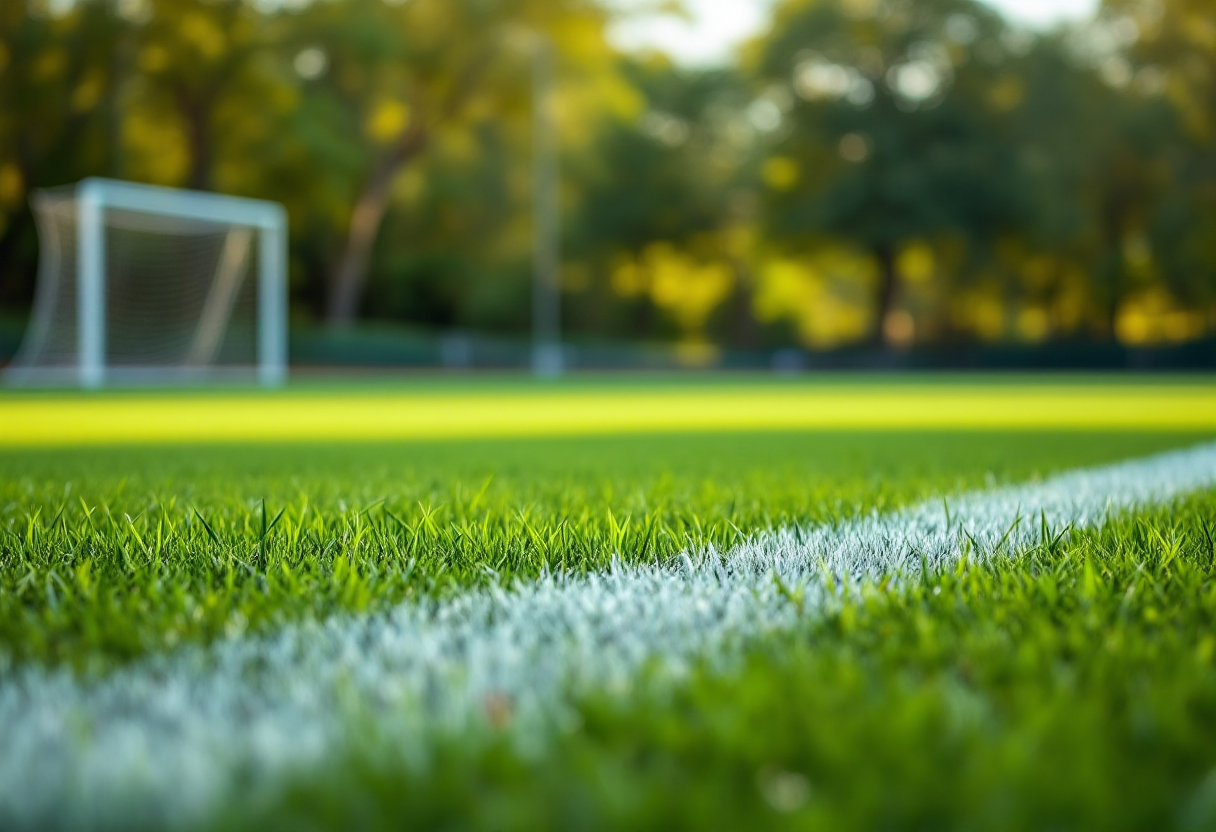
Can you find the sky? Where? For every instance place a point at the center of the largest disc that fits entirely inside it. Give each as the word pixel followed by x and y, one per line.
pixel 720 25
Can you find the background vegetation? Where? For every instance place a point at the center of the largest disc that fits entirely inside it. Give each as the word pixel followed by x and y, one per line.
pixel 868 171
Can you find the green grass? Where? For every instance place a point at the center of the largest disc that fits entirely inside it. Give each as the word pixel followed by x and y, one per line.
pixel 510 407
pixel 108 554
pixel 1075 689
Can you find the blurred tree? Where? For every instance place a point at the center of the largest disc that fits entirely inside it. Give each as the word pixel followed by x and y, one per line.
pixel 665 206
pixel 410 81
pixel 880 167
pixel 56 93
pixel 205 62
pixel 1165 50
pixel 1090 157
pixel 899 130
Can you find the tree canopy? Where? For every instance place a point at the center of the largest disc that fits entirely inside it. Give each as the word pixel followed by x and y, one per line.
pixel 866 170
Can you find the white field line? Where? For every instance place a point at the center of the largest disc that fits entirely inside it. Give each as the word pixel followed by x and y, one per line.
pixel 171 738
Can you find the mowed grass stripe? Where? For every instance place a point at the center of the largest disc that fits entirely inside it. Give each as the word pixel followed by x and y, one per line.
pixel 67 420
pixel 173 738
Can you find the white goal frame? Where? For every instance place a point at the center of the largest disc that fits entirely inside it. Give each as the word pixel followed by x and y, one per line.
pixel 94 196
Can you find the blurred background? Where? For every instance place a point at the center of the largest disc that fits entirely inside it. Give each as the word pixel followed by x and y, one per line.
pixel 791 185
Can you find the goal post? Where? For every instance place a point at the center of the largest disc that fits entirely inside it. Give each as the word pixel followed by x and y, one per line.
pixel 144 284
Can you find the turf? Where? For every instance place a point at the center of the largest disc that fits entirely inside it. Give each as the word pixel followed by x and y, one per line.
pixel 515 408
pixel 108 554
pixel 1072 689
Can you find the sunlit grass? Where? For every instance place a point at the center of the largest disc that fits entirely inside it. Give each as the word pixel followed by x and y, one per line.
pixel 1072 688
pixel 1034 693
pixel 112 553
pixel 524 410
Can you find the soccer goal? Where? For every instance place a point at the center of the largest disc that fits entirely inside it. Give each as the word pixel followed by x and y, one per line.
pixel 143 285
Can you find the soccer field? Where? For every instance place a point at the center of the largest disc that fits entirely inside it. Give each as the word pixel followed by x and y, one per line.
pixel 611 606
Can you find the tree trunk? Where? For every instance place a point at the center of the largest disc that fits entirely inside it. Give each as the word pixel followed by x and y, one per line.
pixel 743 318
pixel 888 281
pixel 195 112
pixel 120 61
pixel 350 276
pixel 1111 267
pixel 16 277
pixel 200 155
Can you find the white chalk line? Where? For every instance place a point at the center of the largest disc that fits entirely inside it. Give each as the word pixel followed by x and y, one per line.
pixel 172 738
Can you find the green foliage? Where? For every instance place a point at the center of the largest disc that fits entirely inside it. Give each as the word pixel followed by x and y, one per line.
pixel 1019 160
pixel 895 109
pixel 1000 184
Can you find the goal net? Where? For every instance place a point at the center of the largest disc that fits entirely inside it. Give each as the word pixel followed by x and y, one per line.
pixel 139 284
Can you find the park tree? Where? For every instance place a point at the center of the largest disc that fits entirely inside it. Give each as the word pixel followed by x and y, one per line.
pixel 406 83
pixel 665 209
pixel 1092 157
pixel 897 131
pixel 57 114
pixel 202 69
pixel 870 156
pixel 1166 52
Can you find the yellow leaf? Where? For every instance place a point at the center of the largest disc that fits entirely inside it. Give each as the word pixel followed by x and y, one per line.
pixel 11 186
pixel 388 119
pixel 780 173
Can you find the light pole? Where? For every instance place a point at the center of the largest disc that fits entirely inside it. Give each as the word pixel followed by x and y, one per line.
pixel 546 289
